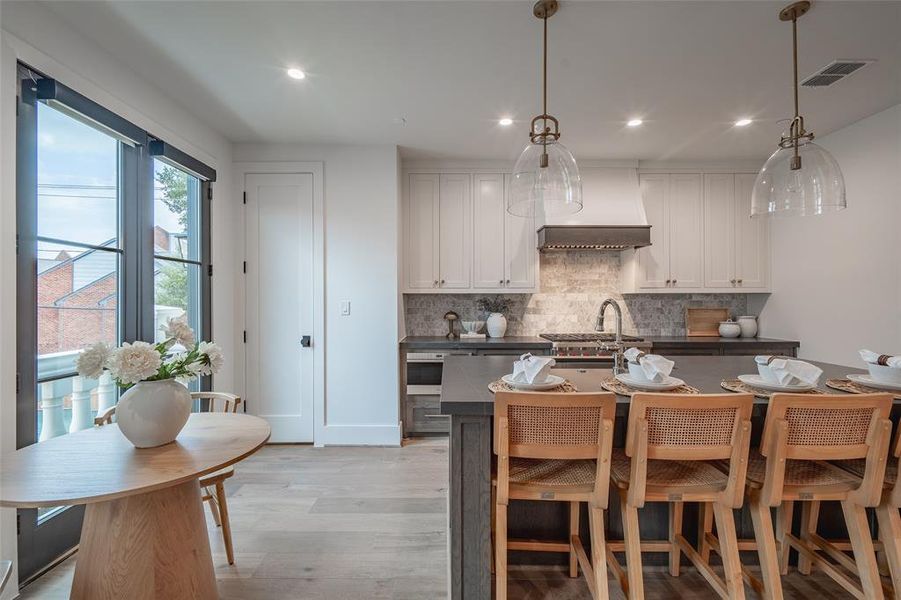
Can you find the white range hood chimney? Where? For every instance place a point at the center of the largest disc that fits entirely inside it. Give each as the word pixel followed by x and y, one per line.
pixel 612 216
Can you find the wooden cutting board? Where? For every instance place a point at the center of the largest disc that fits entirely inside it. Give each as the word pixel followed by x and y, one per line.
pixel 704 321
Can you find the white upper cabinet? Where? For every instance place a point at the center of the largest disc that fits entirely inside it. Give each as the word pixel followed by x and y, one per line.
pixel 459 237
pixel 454 230
pixel 719 231
pixel 752 238
pixel 685 231
pixel 702 236
pixel 653 261
pixel 520 249
pixel 488 265
pixel 421 252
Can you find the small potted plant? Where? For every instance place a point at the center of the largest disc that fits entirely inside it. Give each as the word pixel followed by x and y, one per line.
pixel 496 321
pixel 156 404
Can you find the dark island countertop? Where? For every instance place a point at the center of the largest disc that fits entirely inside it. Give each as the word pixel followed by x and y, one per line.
pixel 464 387
pixel 429 342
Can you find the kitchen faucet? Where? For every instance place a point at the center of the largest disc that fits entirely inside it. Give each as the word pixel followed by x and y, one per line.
pixel 617 345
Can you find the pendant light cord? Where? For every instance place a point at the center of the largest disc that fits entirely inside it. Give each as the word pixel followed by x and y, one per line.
pixel 544 159
pixel 796 124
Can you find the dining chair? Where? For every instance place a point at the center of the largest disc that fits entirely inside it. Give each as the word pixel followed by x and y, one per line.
pixel 213 484
pixel 673 443
pixel 554 447
pixel 801 433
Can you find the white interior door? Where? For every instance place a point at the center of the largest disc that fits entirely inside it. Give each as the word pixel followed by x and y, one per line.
pixel 279 302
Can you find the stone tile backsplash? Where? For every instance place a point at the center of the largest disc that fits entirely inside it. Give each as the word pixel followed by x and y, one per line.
pixel 573 285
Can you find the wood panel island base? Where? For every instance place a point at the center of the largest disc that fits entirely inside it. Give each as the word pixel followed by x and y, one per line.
pixel 466 398
pixel 144 534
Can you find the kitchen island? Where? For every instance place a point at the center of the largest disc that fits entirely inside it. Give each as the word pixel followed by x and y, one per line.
pixel 466 398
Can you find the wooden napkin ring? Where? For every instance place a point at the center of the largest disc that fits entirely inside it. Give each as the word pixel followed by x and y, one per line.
pixel 883 359
pixel 638 357
pixel 777 357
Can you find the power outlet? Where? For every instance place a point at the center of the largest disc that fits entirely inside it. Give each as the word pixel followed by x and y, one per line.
pixel 345 308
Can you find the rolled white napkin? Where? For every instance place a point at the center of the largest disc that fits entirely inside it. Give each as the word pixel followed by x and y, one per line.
pixel 868 356
pixel 785 369
pixel 532 369
pixel 655 367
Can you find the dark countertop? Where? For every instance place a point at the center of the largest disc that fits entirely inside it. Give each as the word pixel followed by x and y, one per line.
pixel 697 341
pixel 423 342
pixel 464 387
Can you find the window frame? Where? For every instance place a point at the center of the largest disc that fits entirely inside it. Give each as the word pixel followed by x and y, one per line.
pixel 41 541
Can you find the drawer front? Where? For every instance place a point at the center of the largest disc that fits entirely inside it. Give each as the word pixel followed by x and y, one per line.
pixel 513 351
pixel 782 350
pixel 422 415
pixel 687 351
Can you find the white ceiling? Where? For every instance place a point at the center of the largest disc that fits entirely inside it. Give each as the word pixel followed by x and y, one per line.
pixel 451 69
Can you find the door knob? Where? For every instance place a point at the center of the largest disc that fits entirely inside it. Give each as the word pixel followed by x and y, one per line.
pixel 306 342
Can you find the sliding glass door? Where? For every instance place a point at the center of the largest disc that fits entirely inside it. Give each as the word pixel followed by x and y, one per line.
pixel 113 239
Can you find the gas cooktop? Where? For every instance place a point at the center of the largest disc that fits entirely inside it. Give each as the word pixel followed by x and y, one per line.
pixel 586 337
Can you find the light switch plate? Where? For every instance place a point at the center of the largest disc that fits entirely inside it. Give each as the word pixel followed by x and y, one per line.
pixel 345 308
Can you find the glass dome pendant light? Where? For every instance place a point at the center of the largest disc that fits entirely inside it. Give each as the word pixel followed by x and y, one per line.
pixel 800 178
pixel 546 179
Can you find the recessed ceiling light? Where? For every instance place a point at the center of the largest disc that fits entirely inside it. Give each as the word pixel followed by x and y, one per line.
pixel 634 122
pixel 743 122
pixel 505 121
pixel 295 73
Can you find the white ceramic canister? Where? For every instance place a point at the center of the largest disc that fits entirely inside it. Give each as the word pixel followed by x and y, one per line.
pixel 748 324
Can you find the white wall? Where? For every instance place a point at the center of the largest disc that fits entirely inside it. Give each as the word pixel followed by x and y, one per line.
pixel 837 277
pixel 34 35
pixel 361 210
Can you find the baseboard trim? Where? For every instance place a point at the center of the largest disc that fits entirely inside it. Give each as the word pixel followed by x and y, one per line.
pixel 359 435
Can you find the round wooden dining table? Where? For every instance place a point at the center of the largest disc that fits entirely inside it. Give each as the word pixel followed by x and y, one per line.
pixel 144 534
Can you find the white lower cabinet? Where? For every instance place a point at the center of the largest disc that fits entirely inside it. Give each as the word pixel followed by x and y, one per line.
pixel 460 238
pixel 702 236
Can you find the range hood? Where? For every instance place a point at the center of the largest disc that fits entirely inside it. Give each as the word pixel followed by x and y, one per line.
pixel 593 237
pixel 612 217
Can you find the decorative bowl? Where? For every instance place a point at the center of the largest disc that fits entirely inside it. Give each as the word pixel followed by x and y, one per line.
pixel 885 374
pixel 473 326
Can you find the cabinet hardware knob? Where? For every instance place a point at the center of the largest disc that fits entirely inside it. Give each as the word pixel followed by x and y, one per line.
pixel 442 282
pixel 732 281
pixel 667 281
pixel 501 282
pixel 508 282
pixel 674 282
pixel 435 284
pixel 739 282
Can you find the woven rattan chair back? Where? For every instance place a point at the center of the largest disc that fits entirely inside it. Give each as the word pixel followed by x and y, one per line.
pixel 687 426
pixel 217 401
pixel 824 427
pixel 553 425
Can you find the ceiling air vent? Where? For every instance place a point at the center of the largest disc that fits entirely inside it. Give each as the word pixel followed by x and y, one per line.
pixel 834 72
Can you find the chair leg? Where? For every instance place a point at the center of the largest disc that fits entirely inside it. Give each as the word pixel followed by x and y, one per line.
pixel 633 548
pixel 810 514
pixel 226 525
pixel 705 526
pixel 725 526
pixel 675 528
pixel 864 554
pixel 573 531
pixel 784 516
pixel 598 553
pixel 493 523
pixel 766 549
pixel 214 508
pixel 890 534
pixel 500 551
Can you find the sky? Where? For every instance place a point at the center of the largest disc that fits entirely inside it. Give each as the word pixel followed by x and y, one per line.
pixel 77 172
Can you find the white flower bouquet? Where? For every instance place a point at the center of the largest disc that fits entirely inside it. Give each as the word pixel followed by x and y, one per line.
pixel 179 357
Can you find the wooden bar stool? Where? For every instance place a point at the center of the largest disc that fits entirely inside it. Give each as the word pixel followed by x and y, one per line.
pixel 671 443
pixel 213 484
pixel 801 433
pixel 554 447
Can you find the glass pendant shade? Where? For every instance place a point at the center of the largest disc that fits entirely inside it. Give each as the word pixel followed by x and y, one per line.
pixel 817 187
pixel 544 191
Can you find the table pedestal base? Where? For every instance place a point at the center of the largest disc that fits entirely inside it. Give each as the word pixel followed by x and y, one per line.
pixel 148 546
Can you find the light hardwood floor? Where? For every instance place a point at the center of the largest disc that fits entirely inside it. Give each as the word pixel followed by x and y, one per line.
pixel 369 523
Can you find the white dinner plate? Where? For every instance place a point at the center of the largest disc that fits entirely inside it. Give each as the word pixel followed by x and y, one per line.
pixel 761 383
pixel 867 380
pixel 670 383
pixel 552 381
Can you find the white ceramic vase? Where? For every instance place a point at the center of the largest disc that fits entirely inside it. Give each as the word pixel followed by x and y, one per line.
pixel 748 326
pixel 497 325
pixel 153 413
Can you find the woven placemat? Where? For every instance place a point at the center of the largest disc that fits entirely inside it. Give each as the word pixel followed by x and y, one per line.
pixel 499 386
pixel 846 385
pixel 736 385
pixel 612 384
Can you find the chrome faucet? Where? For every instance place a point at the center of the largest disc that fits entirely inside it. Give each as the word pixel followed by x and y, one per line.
pixel 617 345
